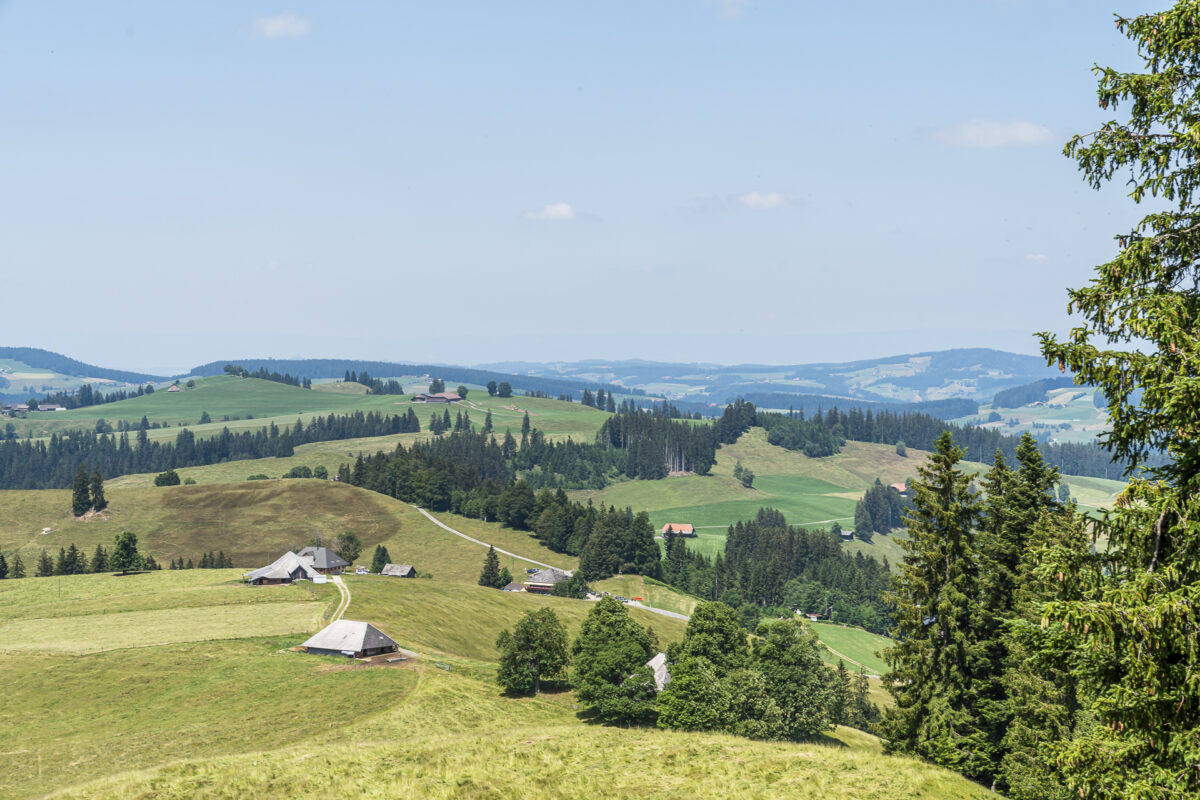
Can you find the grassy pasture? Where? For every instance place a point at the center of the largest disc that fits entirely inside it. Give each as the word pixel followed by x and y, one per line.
pixel 653 593
pixel 242 717
pixel 69 718
pixel 91 633
pixel 462 621
pixel 855 644
pixel 267 401
pixel 88 595
pixel 454 737
pixel 255 521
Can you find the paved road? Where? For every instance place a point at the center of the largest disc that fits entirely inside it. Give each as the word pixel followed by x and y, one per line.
pixel 660 611
pixel 444 526
pixel 345 602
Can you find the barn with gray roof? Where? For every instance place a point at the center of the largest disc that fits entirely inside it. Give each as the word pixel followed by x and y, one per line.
pixel 346 637
pixel 324 560
pixel 288 568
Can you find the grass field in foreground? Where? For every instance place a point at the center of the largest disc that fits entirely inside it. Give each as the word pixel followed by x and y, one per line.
pixel 245 717
pixel 455 737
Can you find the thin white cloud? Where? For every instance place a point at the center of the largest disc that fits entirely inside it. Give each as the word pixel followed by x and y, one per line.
pixel 731 9
pixel 281 26
pixel 765 201
pixel 986 133
pixel 552 212
pixel 1036 258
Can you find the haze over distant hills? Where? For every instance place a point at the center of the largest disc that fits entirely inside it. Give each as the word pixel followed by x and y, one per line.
pixel 975 373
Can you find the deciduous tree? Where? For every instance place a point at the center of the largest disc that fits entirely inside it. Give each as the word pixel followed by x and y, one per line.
pixel 534 651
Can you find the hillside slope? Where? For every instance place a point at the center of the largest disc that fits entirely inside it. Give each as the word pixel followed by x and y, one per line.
pixel 246 716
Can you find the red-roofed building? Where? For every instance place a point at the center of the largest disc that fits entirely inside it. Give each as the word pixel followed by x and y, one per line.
pixel 679 529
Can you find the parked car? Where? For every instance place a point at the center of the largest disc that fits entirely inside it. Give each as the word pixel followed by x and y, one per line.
pixel 361 571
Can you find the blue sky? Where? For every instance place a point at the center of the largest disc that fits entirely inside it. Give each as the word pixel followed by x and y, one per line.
pixel 466 182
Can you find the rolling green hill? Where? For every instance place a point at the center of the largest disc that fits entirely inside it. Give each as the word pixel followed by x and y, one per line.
pixel 254 522
pixel 251 403
pixel 244 715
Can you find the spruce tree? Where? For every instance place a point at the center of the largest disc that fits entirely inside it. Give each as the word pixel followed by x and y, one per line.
pixel 45 565
pixel 97 491
pixel 17 570
pixel 937 653
pixel 99 559
pixel 380 559
pixel 487 423
pixel 3 567
pixel 81 499
pixel 490 576
pixel 1134 623
pixel 61 567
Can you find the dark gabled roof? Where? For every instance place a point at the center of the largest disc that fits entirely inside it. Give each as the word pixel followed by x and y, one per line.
pixel 323 557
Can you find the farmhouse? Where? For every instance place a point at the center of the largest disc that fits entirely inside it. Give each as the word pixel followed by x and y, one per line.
pixel 847 536
pixel 514 587
pixel 324 560
pixel 662 675
pixel 174 388
pixel 439 397
pixel 399 570
pixel 288 568
pixel 901 487
pixel 542 581
pixel 346 637
pixel 679 528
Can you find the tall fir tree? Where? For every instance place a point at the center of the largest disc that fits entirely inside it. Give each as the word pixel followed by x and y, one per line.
pixel 3 567
pixel 17 570
pixel 45 565
pixel 96 489
pixel 81 498
pixel 490 575
pixel 937 656
pixel 100 559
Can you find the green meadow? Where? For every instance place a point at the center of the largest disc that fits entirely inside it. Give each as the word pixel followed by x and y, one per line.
pixel 251 403
pixel 245 715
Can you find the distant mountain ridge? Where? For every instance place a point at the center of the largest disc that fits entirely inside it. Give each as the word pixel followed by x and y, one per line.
pixel 971 373
pixel 56 362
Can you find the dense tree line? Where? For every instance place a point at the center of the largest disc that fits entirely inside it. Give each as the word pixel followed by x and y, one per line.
pixel 813 438
pixel 86 396
pixel 880 510
pixel 979 444
pixel 262 373
pixel 950 408
pixel 377 385
pixel 655 445
pixel 53 463
pixel 769 567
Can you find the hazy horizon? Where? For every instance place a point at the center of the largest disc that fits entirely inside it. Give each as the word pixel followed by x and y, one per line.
pixel 695 180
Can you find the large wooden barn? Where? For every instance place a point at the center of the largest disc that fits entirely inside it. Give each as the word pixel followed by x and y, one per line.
pixel 288 568
pixel 346 637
